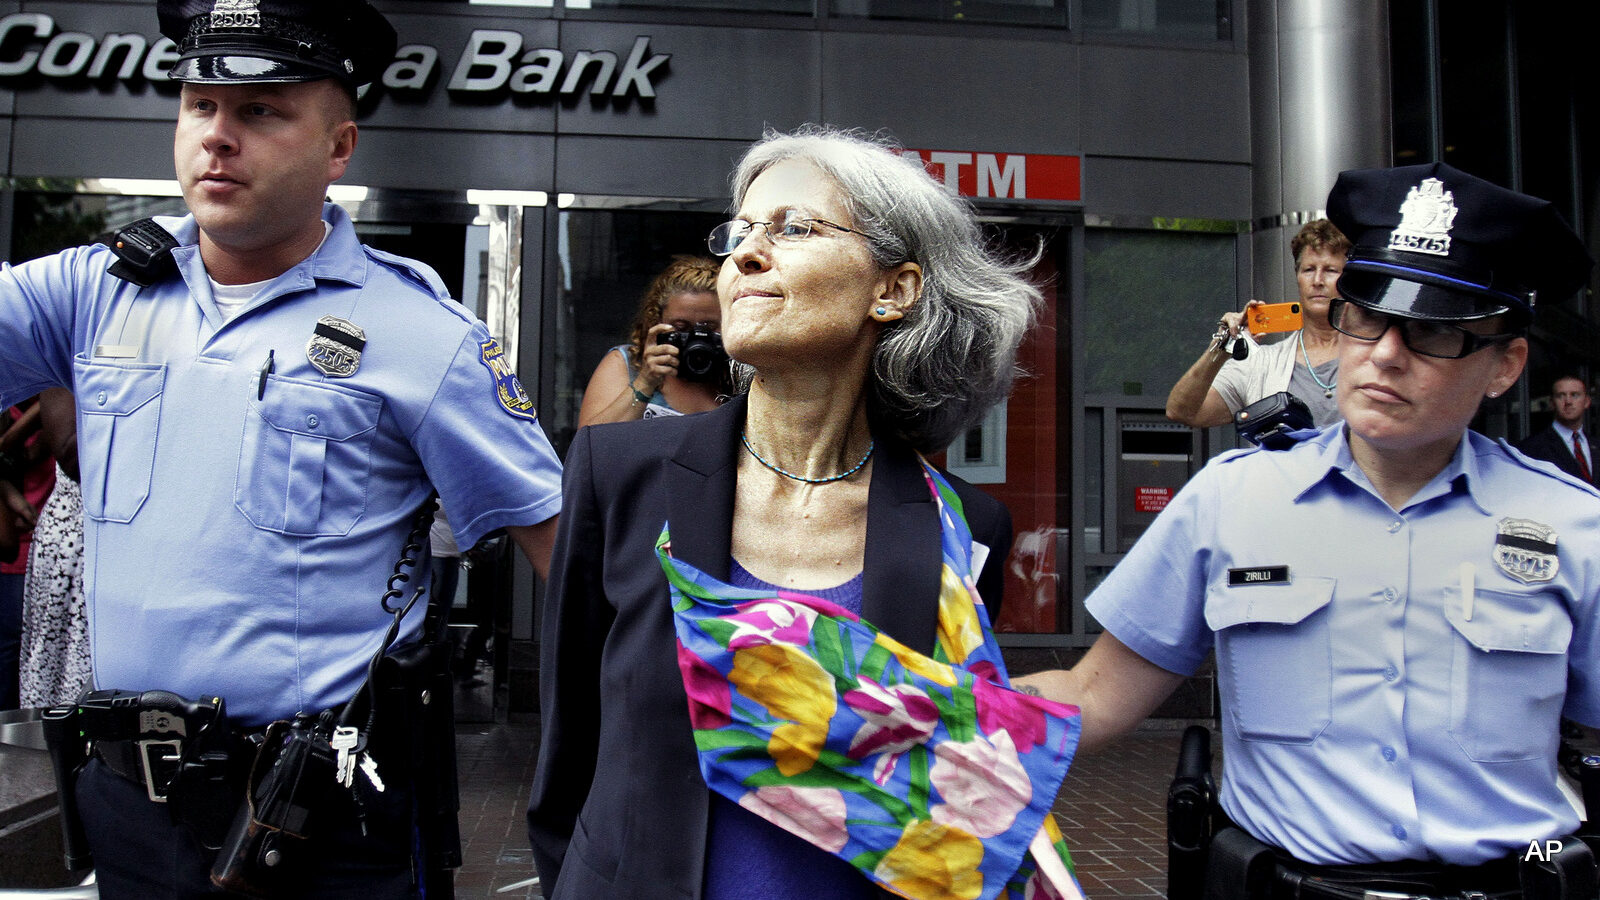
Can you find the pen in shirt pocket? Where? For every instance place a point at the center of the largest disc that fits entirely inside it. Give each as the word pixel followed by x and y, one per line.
pixel 267 368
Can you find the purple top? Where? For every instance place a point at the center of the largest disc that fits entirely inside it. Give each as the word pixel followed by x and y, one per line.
pixel 747 856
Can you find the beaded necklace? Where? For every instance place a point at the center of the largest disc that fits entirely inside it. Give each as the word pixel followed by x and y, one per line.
pixel 1327 389
pixel 871 445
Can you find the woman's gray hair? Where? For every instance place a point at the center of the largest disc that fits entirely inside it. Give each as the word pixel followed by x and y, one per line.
pixel 936 372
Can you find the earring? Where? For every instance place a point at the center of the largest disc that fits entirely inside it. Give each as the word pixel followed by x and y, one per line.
pixel 883 312
pixel 1493 394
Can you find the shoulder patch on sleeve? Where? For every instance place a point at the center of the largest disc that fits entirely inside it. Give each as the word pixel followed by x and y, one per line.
pixel 419 271
pixel 507 389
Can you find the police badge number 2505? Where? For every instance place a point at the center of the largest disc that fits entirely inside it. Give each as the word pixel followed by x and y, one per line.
pixel 335 347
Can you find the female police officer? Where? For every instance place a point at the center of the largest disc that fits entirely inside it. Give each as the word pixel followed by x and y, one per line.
pixel 1401 609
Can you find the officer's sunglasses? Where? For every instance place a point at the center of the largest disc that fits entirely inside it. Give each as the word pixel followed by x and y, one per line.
pixel 1440 340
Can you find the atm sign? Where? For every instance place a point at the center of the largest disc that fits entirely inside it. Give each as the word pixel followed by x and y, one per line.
pixel 1006 176
pixel 1151 499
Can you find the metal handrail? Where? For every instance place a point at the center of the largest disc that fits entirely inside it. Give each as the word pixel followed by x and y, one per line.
pixel 22 728
pixel 87 890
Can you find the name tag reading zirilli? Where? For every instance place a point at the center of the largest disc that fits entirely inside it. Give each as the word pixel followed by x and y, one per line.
pixel 1258 575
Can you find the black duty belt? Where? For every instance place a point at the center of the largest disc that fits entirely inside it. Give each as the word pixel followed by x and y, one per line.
pixel 152 764
pixel 149 764
pixel 1294 880
pixel 1240 866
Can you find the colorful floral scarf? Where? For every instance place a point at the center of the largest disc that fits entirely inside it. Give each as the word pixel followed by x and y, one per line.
pixel 929 775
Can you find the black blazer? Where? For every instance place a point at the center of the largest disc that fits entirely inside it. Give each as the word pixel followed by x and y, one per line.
pixel 618 807
pixel 1546 444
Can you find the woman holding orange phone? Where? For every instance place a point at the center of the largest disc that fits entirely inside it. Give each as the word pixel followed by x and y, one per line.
pixel 1224 380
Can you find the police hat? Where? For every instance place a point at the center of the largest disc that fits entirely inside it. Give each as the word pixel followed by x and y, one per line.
pixel 1432 242
pixel 222 41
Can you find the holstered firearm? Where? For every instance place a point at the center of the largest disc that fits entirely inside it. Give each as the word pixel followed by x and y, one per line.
pixel 415 690
pixel 1190 800
pixel 1568 873
pixel 292 777
pixel 416 693
pixel 1587 769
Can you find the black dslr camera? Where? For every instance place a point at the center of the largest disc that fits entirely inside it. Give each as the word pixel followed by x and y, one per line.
pixel 700 353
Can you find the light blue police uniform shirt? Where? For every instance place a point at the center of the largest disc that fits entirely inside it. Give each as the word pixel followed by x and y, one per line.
pixel 1371 709
pixel 238 540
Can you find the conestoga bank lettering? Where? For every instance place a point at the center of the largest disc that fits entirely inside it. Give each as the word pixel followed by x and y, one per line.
pixel 32 43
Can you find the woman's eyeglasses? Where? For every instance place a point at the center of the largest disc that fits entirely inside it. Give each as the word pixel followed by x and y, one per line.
pixel 726 238
pixel 1440 340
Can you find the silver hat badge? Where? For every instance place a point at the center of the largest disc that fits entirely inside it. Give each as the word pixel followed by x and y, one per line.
pixel 236 14
pixel 1425 219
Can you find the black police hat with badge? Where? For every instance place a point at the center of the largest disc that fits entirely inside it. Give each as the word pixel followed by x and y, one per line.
pixel 1433 242
pixel 262 41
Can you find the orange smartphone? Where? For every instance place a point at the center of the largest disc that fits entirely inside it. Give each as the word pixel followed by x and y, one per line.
pixel 1272 317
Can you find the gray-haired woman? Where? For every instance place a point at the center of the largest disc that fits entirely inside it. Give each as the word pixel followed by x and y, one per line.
pixel 869 321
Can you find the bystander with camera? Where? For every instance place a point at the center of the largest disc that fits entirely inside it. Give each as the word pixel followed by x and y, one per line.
pixel 1235 371
pixel 673 362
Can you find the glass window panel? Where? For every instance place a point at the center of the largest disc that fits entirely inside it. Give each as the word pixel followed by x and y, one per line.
pixel 1150 300
pixel 789 7
pixel 1093 576
pixel 50 215
pixel 1036 483
pixel 1203 20
pixel 1546 75
pixel 1412 81
pixel 1006 12
pixel 606 259
pixel 1477 107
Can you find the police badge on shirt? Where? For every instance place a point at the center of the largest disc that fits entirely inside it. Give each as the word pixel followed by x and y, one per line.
pixel 335 347
pixel 1526 550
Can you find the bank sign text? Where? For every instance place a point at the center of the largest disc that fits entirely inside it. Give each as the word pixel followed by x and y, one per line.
pixel 492 60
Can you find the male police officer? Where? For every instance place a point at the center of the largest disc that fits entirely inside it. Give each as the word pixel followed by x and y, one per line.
pixel 1401 609
pixel 261 414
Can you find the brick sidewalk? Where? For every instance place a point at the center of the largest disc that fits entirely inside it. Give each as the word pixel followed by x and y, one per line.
pixel 1112 810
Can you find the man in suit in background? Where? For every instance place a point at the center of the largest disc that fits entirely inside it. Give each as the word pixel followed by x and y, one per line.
pixel 1565 443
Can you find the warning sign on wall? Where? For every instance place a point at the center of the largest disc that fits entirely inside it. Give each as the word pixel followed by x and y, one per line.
pixel 1151 499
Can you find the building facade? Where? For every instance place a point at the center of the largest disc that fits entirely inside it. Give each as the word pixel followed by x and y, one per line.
pixel 549 156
